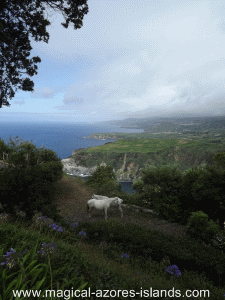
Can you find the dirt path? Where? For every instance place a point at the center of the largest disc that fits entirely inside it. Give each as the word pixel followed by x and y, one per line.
pixel 73 205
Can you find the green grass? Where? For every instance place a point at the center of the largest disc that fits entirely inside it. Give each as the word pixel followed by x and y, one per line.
pixel 75 262
pixel 183 153
pixel 151 145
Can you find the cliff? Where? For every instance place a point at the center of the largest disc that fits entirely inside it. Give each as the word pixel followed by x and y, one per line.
pixel 77 165
pixel 129 156
pixel 71 167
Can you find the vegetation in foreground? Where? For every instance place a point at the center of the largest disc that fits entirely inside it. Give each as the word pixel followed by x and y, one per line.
pixel 40 257
pixel 36 255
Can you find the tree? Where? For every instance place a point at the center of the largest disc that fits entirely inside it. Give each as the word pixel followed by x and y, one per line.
pixel 162 187
pixel 199 227
pixel 104 182
pixel 203 189
pixel 17 20
pixel 29 181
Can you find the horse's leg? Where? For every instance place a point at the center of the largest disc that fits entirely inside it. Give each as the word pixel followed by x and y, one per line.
pixel 105 213
pixel 120 208
pixel 90 208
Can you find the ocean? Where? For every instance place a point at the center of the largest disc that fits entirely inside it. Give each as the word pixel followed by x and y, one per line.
pixel 61 137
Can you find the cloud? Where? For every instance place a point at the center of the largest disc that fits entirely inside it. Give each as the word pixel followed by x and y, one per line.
pixel 19 102
pixel 138 58
pixel 44 92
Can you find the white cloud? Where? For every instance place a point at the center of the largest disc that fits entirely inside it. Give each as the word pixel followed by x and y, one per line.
pixel 130 58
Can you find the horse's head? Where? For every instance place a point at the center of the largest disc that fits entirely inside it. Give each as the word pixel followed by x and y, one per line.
pixel 121 200
pixel 118 201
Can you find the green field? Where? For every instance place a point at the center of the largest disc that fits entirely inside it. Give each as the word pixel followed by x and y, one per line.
pixel 155 145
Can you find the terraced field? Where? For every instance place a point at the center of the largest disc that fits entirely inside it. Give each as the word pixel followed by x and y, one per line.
pixel 150 145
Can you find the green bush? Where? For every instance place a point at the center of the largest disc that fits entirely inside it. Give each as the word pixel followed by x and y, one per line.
pixel 161 187
pixel 168 208
pixel 199 227
pixel 203 190
pixel 104 182
pixel 28 182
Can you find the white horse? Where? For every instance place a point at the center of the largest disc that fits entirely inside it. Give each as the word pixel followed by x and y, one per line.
pixel 120 201
pixel 104 203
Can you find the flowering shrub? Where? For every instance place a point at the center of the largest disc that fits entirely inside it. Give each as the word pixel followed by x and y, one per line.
pixel 174 270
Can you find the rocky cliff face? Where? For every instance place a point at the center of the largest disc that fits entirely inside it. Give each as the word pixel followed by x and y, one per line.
pixel 128 172
pixel 71 167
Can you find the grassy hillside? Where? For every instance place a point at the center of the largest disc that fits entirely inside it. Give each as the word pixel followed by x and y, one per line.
pixel 136 153
pixel 155 145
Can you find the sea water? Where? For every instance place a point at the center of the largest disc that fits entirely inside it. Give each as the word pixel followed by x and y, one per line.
pixel 61 137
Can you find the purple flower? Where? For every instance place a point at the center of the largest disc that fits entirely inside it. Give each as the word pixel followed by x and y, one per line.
pixel 47 248
pixel 42 220
pixel 82 233
pixel 12 258
pixel 173 270
pixel 54 227
pixel 124 255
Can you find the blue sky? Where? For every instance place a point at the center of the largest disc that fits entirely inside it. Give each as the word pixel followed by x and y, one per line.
pixel 138 58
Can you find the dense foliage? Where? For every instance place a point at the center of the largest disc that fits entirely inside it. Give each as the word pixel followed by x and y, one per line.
pixel 28 179
pixel 175 195
pixel 199 227
pixel 104 182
